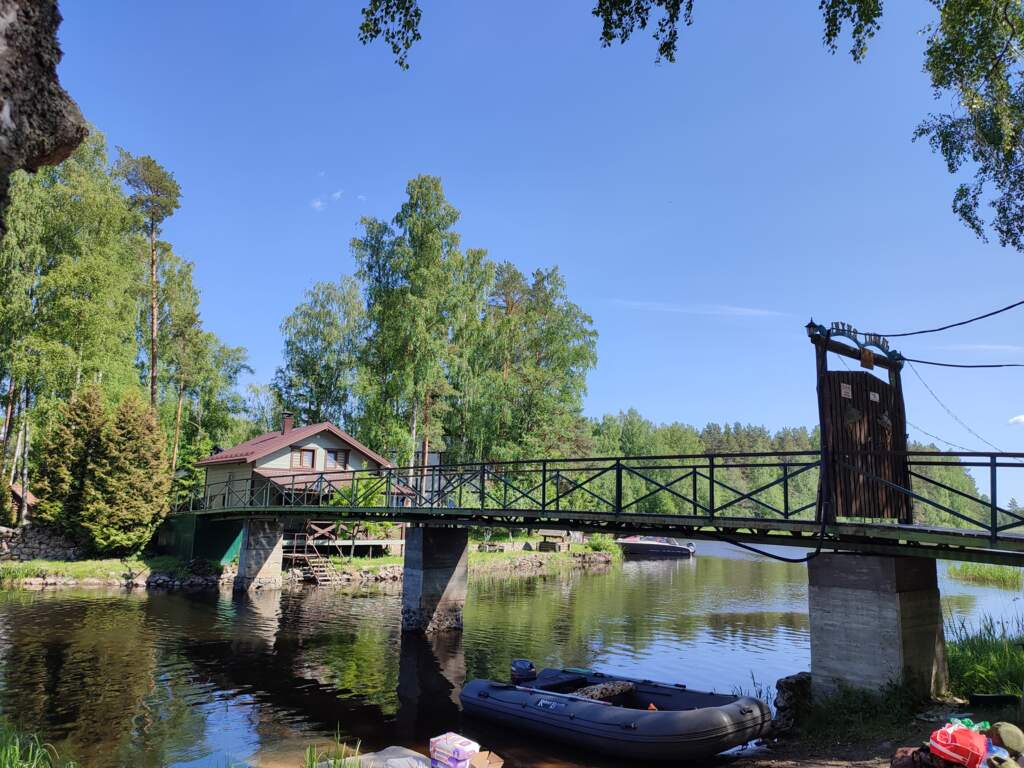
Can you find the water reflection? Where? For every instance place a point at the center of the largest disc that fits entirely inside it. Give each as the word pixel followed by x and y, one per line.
pixel 116 678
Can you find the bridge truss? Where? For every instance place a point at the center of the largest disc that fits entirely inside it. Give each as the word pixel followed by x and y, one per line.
pixel 769 498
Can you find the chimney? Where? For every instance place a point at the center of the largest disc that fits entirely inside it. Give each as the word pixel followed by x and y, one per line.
pixel 287 422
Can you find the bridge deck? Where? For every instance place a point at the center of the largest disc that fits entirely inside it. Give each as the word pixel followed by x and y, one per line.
pixel 864 538
pixel 749 498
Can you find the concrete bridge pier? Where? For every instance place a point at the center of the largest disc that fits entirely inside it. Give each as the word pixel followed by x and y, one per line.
pixel 434 580
pixel 261 554
pixel 875 620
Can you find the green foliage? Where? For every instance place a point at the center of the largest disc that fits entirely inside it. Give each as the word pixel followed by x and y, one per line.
pixel 462 354
pixel 335 755
pixel 8 516
pixel 122 508
pixel 153 191
pixel 1004 576
pixel 104 480
pixel 865 714
pixel 986 658
pixel 603 542
pixel 322 340
pixel 70 459
pixel 18 750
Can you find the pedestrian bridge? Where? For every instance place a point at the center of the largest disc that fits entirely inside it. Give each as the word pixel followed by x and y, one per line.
pixel 751 499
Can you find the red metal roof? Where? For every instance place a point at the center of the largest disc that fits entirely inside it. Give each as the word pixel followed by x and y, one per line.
pixel 16 494
pixel 267 443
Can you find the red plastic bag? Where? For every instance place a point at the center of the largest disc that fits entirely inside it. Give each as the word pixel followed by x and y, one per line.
pixel 959 745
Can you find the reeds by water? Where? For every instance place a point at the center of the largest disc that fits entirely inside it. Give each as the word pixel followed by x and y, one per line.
pixel 986 656
pixel 1004 576
pixel 18 750
pixel 336 755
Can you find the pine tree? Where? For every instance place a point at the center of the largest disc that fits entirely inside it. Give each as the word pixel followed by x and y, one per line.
pixel 68 457
pixel 128 498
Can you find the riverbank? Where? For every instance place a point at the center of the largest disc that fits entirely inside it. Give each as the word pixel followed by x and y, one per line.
pixel 136 572
pixel 517 563
pixel 164 572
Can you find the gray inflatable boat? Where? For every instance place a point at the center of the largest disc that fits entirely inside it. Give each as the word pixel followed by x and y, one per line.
pixel 618 716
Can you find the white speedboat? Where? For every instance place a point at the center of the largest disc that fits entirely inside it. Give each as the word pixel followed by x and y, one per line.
pixel 655 546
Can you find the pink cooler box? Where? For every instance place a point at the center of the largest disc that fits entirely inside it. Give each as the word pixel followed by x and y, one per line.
pixel 450 750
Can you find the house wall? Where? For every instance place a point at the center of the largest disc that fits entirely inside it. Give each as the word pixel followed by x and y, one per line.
pixel 321 443
pixel 217 477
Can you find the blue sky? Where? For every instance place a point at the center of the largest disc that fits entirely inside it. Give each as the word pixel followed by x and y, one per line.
pixel 701 211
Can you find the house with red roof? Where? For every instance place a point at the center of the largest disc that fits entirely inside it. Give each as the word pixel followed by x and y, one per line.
pixel 292 459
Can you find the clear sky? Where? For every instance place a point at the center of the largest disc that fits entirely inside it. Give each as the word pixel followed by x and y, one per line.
pixel 701 211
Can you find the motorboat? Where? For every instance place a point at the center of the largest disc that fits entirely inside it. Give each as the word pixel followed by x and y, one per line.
pixel 640 720
pixel 655 546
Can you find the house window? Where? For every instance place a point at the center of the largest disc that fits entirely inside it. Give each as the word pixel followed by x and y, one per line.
pixel 337 459
pixel 304 458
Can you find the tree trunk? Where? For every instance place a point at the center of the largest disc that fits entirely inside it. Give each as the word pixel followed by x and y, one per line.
pixel 17 451
pixel 23 508
pixel 177 428
pixel 8 421
pixel 426 442
pixel 412 430
pixel 152 316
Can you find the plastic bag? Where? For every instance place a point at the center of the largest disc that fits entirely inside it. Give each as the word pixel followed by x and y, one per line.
pixel 959 745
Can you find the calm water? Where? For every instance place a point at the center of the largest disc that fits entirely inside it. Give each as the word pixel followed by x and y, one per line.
pixel 194 680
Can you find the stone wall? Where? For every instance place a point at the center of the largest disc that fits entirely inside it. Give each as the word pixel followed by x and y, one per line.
pixel 36 542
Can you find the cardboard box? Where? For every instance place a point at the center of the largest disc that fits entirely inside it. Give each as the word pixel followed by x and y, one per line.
pixel 486 760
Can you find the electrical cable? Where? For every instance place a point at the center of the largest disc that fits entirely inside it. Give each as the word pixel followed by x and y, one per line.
pixel 952 325
pixel 772 555
pixel 936 437
pixel 952 415
pixel 964 365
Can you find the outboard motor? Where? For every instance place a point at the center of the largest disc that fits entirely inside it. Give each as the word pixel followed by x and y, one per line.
pixel 523 671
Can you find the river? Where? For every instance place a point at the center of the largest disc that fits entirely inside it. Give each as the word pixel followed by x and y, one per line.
pixel 172 679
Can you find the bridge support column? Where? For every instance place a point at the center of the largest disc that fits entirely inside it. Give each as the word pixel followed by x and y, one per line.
pixel 434 579
pixel 875 620
pixel 261 554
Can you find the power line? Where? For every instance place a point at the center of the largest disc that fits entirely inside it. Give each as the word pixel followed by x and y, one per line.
pixel 936 437
pixel 953 325
pixel 964 365
pixel 952 415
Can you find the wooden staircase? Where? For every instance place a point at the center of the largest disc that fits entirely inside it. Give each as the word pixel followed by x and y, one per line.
pixel 314 566
pixel 320 570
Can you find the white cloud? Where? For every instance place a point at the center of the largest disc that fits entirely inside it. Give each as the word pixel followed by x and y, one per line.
pixel 317 204
pixel 1019 420
pixel 336 195
pixel 719 310
pixel 361 197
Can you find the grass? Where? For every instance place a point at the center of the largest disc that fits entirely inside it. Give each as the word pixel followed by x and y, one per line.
pixel 12 572
pixel 18 750
pixel 986 658
pixel 1005 576
pixel 866 715
pixel 336 755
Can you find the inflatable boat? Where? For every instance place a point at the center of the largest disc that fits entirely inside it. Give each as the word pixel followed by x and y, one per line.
pixel 641 720
pixel 655 546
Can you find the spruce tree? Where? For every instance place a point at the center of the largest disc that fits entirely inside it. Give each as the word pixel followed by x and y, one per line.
pixel 68 457
pixel 128 496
